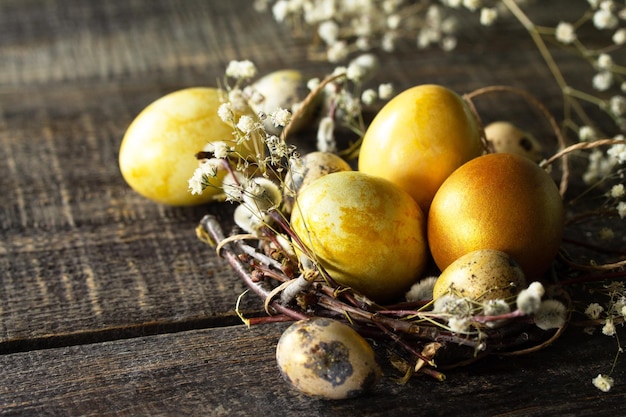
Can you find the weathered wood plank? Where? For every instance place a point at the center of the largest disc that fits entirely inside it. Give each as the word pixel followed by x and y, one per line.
pixel 231 371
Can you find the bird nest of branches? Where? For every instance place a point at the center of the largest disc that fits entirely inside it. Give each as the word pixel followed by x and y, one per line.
pixel 422 335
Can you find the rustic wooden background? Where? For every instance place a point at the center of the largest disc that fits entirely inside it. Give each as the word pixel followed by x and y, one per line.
pixel 109 305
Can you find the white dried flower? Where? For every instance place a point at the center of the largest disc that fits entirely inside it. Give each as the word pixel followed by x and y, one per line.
pixel 619 37
pixel 280 10
pixel 565 33
pixel 369 96
pixel 312 83
pixel 422 290
pixel 604 62
pixel 450 304
pixel 472 5
pixel 246 124
pixel 280 117
pixel 225 112
pixel 241 69
pixel 604 19
pixel 617 191
pixel 594 310
pixel 219 148
pixel 448 43
pixel 328 31
pixel 617 152
pixel 529 299
pixel 337 51
pixel 609 327
pixel 551 314
pixel 617 105
pixel 603 382
pixel 488 16
pixel 393 21
pixel 602 81
pixel 385 91
pixel 586 134
pixel 238 100
pixel 621 209
pixel 459 324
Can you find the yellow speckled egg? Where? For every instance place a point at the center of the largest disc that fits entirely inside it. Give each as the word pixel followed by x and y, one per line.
pixel 366 232
pixel 325 358
pixel 157 152
pixel 419 138
pixel 498 201
pixel 482 275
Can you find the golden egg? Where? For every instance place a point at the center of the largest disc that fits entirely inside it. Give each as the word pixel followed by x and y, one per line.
pixel 419 138
pixel 498 201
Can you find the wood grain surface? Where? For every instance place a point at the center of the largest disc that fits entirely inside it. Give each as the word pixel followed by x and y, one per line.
pixel 109 305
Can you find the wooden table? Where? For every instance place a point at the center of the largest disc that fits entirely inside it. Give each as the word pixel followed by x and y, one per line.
pixel 109 305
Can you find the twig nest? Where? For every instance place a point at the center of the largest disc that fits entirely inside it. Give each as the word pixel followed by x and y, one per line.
pixel 284 89
pixel 498 201
pixel 481 275
pixel 325 358
pixel 364 231
pixel 508 138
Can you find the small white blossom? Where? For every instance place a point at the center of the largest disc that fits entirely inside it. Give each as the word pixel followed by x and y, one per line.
pixel 551 314
pixel 280 10
pixel 565 33
pixel 459 324
pixel 529 299
pixel 586 134
pixel 594 310
pixel 246 124
pixel 220 149
pixel 619 37
pixel 385 91
pixel 448 43
pixel 393 21
pixel 604 19
pixel 238 100
pixel 604 62
pixel 602 81
pixel 472 5
pixel 450 304
pixel 312 83
pixel 609 327
pixel 621 209
pixel 488 16
pixel 623 311
pixel 617 153
pixel 617 105
pixel 280 117
pixel 422 290
pixel 617 191
pixel 241 69
pixel 328 31
pixel 337 51
pixel 603 382
pixel 369 96
pixel 388 41
pixel 225 112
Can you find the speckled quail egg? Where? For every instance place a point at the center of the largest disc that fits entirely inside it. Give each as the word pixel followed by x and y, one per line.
pixel 282 89
pixel 325 358
pixel 481 275
pixel 508 138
